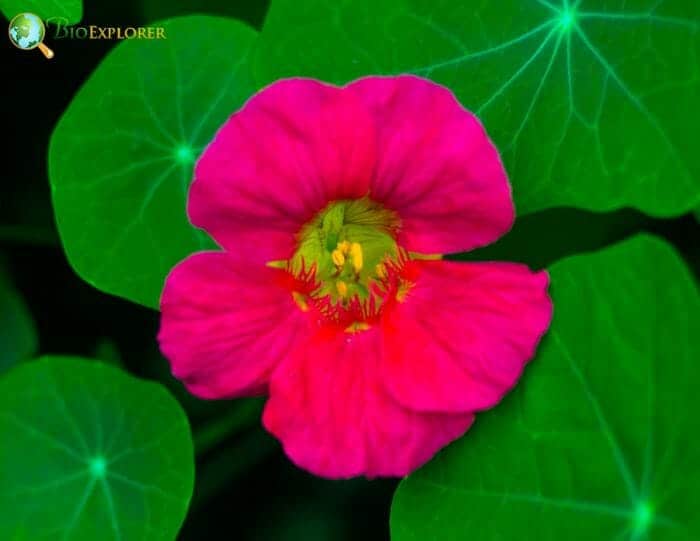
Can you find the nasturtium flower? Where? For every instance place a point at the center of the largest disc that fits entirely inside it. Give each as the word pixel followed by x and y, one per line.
pixel 332 207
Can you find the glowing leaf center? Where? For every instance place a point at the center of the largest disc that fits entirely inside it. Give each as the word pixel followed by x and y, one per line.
pixel 184 154
pixel 567 19
pixel 98 467
pixel 643 516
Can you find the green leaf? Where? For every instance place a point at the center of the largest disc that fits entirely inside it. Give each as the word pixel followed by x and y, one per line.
pixel 70 11
pixel 250 12
pixel 107 351
pixel 89 452
pixel 223 466
pixel 599 439
pixel 121 157
pixel 18 336
pixel 590 106
pixel 240 415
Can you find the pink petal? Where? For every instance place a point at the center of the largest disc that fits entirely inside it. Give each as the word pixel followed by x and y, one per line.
pixel 436 166
pixel 225 324
pixel 464 333
pixel 334 418
pixel 294 147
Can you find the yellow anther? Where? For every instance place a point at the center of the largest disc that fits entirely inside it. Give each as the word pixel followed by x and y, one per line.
pixel 338 257
pixel 342 288
pixel 380 271
pixel 300 300
pixel 344 247
pixel 356 256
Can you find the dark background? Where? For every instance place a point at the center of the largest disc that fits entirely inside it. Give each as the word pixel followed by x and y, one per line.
pixel 246 488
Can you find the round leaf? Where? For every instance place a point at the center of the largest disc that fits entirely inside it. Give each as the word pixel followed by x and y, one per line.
pixel 589 102
pixel 89 452
pixel 599 439
pixel 121 157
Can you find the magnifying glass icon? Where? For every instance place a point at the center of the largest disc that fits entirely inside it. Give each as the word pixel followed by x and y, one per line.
pixel 27 32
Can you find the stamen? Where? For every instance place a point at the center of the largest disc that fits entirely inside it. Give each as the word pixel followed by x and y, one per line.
pixel 342 288
pixel 403 289
pixel 347 262
pixel 338 257
pixel 356 256
pixel 301 301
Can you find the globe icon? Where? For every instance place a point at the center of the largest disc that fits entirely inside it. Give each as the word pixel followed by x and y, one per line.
pixel 27 32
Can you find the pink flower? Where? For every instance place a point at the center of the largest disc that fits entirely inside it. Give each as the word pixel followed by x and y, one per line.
pixel 331 205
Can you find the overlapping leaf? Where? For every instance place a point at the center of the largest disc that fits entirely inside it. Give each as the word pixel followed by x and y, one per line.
pixel 589 101
pixel 121 157
pixel 89 452
pixel 598 440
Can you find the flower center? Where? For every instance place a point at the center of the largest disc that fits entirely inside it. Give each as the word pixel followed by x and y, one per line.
pixel 349 252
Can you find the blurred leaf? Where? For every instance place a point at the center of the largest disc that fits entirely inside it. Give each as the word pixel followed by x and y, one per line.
pixel 324 510
pixel 70 10
pixel 242 414
pixel 26 234
pixel 589 107
pixel 18 336
pixel 252 12
pixel 227 464
pixel 108 351
pixel 89 452
pixel 121 157
pixel 599 439
pixel 309 523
